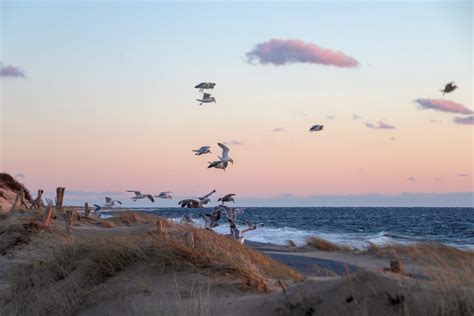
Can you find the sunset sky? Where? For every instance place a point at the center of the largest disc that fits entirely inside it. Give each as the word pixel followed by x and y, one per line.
pixel 98 97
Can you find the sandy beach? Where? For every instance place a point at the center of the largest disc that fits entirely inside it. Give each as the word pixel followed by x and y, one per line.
pixel 127 265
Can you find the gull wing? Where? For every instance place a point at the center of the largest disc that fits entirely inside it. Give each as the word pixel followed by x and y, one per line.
pixel 209 194
pixel 150 197
pixel 136 192
pixel 228 196
pixel 225 150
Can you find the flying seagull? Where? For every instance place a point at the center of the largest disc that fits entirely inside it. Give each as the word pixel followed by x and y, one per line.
pixel 205 85
pixel 97 209
pixel 235 232
pixel 190 203
pixel 110 203
pixel 218 164
pixel 251 226
pixel 227 198
pixel 316 128
pixel 211 220
pixel 139 196
pixel 225 153
pixel 203 150
pixel 450 87
pixel 231 213
pixel 187 219
pixel 165 195
pixel 205 199
pixel 206 98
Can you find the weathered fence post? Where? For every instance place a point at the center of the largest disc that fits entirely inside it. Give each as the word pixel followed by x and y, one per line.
pixel 22 200
pixel 59 198
pixel 87 211
pixel 70 217
pixel 48 213
pixel 14 205
pixel 38 202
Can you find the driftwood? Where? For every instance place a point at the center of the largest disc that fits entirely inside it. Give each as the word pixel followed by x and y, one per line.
pixel 19 204
pixel 59 198
pixel 38 202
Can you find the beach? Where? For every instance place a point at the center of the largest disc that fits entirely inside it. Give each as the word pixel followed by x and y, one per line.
pixel 136 263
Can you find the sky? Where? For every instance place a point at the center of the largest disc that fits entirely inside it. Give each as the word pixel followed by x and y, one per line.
pixel 99 97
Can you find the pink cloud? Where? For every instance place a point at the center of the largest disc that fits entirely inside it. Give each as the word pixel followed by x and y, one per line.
pixel 11 71
pixel 281 52
pixel 380 125
pixel 468 120
pixel 443 106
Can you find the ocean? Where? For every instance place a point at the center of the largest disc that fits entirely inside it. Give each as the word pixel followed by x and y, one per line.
pixel 352 226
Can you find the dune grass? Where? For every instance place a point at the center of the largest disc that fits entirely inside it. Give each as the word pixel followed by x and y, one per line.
pixel 324 245
pixel 8 182
pixel 59 274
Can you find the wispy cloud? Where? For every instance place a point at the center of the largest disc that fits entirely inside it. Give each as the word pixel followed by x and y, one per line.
pixel 10 71
pixel 463 175
pixel 281 52
pixel 435 121
pixel 380 125
pixel 279 129
pixel 19 175
pixel 330 117
pixel 442 105
pixel 356 117
pixel 468 120
pixel 437 179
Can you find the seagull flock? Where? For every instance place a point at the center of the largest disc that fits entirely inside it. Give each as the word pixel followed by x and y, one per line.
pixel 212 219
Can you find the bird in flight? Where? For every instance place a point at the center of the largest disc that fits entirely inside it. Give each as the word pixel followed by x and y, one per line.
pixel 205 199
pixel 203 150
pixel 206 98
pixel 139 196
pixel 316 128
pixel 227 198
pixel 110 203
pixel 165 195
pixel 450 87
pixel 205 85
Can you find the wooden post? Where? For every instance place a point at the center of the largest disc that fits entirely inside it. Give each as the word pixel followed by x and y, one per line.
pixel 70 216
pixel 48 213
pixel 189 239
pixel 87 211
pixel 22 200
pixel 59 198
pixel 14 205
pixel 38 203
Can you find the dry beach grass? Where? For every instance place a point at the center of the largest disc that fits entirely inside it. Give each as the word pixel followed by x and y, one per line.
pixel 123 265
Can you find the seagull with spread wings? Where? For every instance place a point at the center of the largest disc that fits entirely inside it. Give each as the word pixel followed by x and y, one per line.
pixel 110 203
pixel 202 150
pixel 164 195
pixel 139 196
pixel 227 198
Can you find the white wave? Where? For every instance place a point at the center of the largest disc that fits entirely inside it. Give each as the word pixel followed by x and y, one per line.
pixel 281 236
